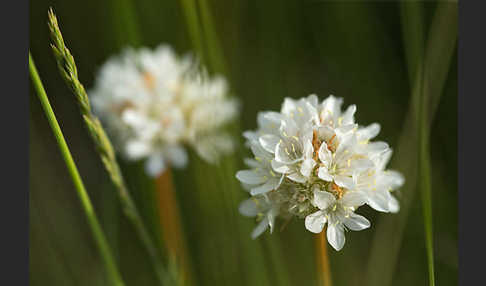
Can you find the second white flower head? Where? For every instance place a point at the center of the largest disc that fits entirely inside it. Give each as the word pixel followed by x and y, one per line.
pixel 155 103
pixel 311 160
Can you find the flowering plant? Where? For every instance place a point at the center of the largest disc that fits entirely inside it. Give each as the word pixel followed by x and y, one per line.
pixel 312 161
pixel 154 103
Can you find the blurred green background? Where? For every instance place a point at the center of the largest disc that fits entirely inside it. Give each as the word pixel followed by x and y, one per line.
pixel 273 49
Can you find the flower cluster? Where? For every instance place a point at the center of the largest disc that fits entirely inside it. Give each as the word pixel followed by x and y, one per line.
pixel 154 103
pixel 312 161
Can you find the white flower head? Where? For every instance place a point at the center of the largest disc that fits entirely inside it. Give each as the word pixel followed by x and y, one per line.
pixel 312 161
pixel 155 104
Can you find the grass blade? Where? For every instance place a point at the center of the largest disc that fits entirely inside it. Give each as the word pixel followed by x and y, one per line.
pixel 125 23
pixel 424 179
pixel 437 58
pixel 213 47
pixel 193 26
pixel 93 222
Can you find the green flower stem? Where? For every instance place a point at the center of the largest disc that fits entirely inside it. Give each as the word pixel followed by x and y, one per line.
pixel 190 12
pixel 213 46
pixel 93 222
pixel 425 185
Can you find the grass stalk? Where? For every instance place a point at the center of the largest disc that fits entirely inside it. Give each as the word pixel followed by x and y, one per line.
pixel 68 70
pixel 435 64
pixel 170 221
pixel 125 23
pixel 92 219
pixel 213 46
pixel 322 260
pixel 189 9
pixel 425 185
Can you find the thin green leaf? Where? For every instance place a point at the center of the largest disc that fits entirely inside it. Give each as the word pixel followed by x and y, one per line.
pixel 436 61
pixel 425 187
pixel 93 221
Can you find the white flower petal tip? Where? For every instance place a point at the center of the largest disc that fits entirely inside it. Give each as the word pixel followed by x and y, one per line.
pixel 335 236
pixel 313 161
pixel 248 208
pixel 356 222
pixel 155 165
pixel 154 102
pixel 315 222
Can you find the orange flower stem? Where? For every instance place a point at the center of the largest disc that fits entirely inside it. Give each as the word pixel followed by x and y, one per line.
pixel 322 260
pixel 170 221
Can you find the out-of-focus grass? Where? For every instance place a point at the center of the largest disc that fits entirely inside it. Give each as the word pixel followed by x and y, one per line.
pixel 439 49
pixel 272 49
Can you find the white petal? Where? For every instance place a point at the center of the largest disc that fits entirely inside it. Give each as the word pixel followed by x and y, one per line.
pixel 360 164
pixel 382 159
pixel 323 199
pixel 286 154
pixel 271 218
pixel 335 235
pixel 248 207
pixel 271 117
pixel 394 179
pixel 315 222
pixel 260 228
pixel 297 177
pixel 133 118
pixel 323 174
pixel 136 149
pixel 313 100
pixel 307 167
pixel 393 205
pixel 252 163
pixel 353 199
pixel 281 155
pixel 269 142
pixel 348 116
pixel 346 146
pixel 250 135
pixel 155 165
pixel 308 149
pixel 345 129
pixel 280 167
pixel 356 222
pixel 250 177
pixel 379 200
pixel 259 152
pixel 375 148
pixel 288 106
pixel 271 184
pixel 369 131
pixel 344 181
pixel 331 108
pixel 177 156
pixel 324 154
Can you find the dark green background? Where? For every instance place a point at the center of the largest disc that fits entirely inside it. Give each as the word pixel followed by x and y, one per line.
pixel 274 49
